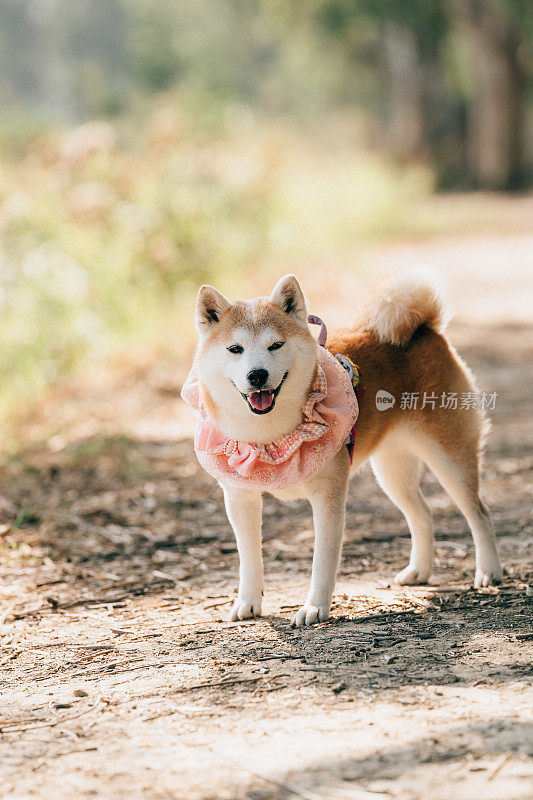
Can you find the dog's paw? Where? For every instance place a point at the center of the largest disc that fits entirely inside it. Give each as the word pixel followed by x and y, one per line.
pixel 245 609
pixel 488 574
pixel 310 615
pixel 411 576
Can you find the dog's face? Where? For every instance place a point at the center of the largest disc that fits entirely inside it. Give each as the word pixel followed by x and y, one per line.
pixel 256 361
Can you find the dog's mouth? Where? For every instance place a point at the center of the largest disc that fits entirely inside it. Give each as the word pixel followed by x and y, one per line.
pixel 263 400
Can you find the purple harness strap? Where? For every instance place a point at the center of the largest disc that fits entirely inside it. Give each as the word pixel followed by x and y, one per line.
pixel 347 365
pixel 323 335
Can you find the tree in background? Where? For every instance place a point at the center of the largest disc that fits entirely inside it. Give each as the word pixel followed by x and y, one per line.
pixel 496 34
pixel 438 81
pixel 454 76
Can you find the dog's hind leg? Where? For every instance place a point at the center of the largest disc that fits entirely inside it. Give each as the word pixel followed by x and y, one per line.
pixel 457 470
pixel 243 507
pixel 398 473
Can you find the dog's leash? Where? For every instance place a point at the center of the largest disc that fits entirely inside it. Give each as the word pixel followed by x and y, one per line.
pixel 354 373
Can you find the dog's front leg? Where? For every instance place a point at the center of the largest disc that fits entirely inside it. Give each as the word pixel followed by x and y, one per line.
pixel 243 507
pixel 327 496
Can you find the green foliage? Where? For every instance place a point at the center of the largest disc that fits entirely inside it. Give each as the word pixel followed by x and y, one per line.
pixel 107 231
pixel 100 242
pixel 263 153
pixel 411 67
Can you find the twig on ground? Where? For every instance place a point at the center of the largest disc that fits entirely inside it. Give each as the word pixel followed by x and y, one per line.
pixel 10 657
pixel 51 723
pixel 44 761
pixel 499 766
pixel 219 603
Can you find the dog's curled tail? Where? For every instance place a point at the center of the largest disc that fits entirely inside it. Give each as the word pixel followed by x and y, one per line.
pixel 404 303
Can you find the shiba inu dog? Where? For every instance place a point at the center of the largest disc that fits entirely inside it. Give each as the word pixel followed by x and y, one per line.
pixel 255 370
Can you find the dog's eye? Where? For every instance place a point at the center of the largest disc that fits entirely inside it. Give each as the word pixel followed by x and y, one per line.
pixel 276 345
pixel 236 348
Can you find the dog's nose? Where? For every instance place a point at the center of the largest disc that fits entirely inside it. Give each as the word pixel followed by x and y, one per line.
pixel 257 377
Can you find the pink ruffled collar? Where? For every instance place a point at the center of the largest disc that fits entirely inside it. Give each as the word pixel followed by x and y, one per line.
pixel 328 415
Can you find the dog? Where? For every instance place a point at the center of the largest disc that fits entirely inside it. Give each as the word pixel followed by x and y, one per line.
pixel 256 366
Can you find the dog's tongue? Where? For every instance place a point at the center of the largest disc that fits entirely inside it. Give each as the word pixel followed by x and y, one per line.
pixel 261 400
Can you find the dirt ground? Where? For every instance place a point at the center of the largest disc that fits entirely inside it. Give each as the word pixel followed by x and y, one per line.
pixel 122 679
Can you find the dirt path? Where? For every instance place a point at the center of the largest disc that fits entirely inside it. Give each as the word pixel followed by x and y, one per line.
pixel 121 679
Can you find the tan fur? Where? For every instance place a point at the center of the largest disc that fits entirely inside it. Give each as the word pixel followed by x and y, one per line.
pixel 263 312
pixel 428 363
pixel 402 304
pixel 208 402
pixel 399 346
pixel 254 318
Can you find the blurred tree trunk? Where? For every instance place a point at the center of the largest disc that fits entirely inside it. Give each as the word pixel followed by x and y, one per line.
pixel 406 135
pixel 494 148
pixel 421 122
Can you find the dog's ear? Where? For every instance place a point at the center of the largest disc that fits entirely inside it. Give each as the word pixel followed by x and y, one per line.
pixel 288 296
pixel 210 307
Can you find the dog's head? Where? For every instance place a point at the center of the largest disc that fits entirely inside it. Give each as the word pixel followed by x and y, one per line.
pixel 255 361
